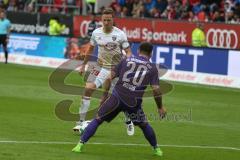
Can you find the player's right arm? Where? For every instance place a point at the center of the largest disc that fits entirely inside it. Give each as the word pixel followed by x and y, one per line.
pixel 86 59
pixel 89 52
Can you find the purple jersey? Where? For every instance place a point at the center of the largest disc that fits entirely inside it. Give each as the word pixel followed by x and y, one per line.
pixel 135 73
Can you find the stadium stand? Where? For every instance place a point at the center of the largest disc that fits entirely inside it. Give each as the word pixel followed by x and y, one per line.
pixel 227 11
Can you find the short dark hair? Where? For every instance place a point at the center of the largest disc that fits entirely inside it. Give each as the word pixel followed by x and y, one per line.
pixel 146 48
pixel 108 11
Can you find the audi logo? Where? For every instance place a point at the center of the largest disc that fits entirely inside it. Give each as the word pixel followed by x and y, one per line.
pixel 219 38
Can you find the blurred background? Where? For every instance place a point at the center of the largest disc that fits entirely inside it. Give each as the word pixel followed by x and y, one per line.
pixel 195 39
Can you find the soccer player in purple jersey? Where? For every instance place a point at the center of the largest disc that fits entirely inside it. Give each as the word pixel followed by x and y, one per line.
pixel 135 73
pixel 111 42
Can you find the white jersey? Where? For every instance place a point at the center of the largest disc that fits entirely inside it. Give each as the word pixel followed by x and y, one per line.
pixel 110 46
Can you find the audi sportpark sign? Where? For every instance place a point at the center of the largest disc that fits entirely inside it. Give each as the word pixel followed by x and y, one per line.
pixel 225 36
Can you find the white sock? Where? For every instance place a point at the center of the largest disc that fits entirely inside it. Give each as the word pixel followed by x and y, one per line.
pixel 84 107
pixel 127 118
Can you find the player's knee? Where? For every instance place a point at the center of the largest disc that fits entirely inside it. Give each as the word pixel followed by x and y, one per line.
pixel 89 88
pixel 142 124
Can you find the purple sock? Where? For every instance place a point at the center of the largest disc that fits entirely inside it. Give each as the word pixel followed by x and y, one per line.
pixel 90 130
pixel 149 135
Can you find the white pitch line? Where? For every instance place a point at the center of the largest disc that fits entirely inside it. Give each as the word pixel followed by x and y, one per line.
pixel 123 144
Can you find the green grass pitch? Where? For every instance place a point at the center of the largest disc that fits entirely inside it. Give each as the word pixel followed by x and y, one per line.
pixel 203 121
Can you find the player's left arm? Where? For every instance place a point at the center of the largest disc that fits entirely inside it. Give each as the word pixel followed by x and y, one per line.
pixel 125 45
pixel 158 100
pixel 128 51
pixel 157 94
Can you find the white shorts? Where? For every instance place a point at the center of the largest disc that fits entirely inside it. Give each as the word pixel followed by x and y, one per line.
pixel 97 75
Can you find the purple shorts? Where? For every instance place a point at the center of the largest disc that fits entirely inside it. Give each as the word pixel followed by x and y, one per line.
pixel 113 106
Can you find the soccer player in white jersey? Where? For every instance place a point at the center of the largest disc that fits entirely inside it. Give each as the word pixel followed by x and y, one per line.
pixel 110 41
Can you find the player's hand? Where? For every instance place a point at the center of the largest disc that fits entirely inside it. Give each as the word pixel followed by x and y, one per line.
pixel 82 69
pixel 162 112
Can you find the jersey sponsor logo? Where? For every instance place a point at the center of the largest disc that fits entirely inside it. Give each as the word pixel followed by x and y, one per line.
pixel 222 38
pixel 111 46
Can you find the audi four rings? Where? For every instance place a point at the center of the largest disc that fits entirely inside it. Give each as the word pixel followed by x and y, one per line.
pixel 219 38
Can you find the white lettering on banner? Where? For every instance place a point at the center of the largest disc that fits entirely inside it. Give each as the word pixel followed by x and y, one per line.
pixel 159 59
pixel 21 42
pixel 164 36
pixel 175 51
pixel 40 29
pixel 176 61
pixel 195 54
pixel 222 38
pixel 23 28
pixel 135 34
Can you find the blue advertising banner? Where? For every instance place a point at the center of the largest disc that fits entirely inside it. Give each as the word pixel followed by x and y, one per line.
pixel 36 45
pixel 197 60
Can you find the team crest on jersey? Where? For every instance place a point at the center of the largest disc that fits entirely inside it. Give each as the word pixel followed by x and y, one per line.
pixel 114 38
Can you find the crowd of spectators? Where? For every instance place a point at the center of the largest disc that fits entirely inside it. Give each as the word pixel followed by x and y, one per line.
pixel 18 5
pixel 60 6
pixel 191 10
pixel 43 6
